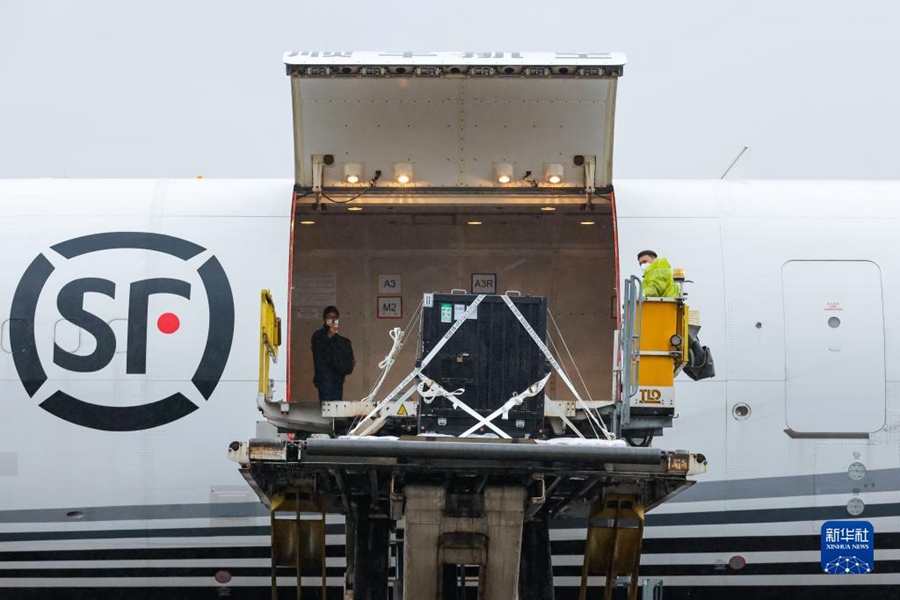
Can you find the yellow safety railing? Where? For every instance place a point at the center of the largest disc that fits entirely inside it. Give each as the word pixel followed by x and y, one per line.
pixel 269 341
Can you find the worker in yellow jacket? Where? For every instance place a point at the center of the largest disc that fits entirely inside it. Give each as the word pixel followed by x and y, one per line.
pixel 658 281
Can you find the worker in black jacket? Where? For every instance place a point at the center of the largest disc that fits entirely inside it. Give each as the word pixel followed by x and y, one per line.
pixel 332 357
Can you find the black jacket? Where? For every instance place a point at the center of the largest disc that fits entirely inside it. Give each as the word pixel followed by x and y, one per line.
pixel 332 357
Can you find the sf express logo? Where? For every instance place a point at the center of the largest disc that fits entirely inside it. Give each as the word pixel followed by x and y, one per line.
pixel 76 296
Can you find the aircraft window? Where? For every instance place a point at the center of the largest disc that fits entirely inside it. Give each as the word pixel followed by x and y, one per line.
pixel 834 322
pixel 741 411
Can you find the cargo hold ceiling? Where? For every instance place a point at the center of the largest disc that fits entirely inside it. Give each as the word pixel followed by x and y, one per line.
pixel 478 122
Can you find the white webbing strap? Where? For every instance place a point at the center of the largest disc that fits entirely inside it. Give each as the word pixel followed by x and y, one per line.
pixel 555 365
pixel 370 427
pixel 385 365
pixel 503 411
pixel 435 389
pixel 374 413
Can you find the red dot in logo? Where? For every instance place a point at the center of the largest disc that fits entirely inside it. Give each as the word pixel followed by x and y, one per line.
pixel 168 323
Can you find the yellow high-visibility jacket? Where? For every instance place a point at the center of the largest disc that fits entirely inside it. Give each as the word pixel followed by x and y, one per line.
pixel 658 281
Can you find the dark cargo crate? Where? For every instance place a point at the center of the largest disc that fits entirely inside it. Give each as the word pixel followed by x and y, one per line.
pixel 491 356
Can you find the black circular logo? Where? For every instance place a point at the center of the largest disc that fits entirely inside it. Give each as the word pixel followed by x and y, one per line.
pixel 71 306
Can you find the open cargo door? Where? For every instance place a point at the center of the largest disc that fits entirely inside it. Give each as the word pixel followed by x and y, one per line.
pixel 453 118
pixel 480 173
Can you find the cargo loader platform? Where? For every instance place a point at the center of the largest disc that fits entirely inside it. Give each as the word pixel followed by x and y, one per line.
pixel 459 502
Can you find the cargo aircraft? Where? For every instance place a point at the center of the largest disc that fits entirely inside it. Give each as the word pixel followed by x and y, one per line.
pixel 130 314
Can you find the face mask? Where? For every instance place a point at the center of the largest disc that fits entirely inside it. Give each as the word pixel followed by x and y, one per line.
pixel 644 266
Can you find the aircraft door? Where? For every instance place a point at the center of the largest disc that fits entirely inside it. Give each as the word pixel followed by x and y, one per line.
pixel 834 346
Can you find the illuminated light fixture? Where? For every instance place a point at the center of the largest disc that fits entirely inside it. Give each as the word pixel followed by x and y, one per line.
pixel 588 223
pixel 473 222
pixel 353 172
pixel 503 173
pixel 354 208
pixel 553 173
pixel 307 222
pixel 403 172
pixel 548 208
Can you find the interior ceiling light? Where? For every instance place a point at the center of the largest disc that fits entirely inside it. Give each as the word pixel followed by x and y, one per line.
pixel 353 172
pixel 474 222
pixel 587 223
pixel 307 222
pixel 503 173
pixel 403 172
pixel 354 208
pixel 548 208
pixel 553 173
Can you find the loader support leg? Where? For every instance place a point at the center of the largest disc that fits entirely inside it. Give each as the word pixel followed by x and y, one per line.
pixel 433 539
pixel 613 547
pixel 422 571
pixel 535 566
pixel 370 551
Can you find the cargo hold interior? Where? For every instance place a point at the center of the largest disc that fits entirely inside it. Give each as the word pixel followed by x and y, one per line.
pixel 342 256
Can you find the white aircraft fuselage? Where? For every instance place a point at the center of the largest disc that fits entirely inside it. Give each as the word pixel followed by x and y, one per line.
pixel 129 362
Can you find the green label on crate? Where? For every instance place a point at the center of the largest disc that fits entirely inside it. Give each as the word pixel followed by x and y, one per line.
pixel 446 313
